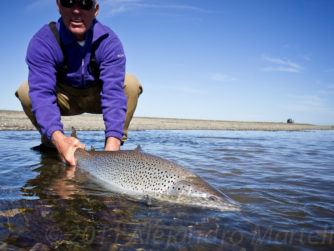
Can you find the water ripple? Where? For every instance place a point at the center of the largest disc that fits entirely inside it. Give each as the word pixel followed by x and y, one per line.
pixel 283 181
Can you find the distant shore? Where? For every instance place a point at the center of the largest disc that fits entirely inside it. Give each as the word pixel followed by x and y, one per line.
pixel 17 120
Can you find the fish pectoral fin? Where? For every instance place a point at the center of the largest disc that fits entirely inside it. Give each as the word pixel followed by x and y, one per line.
pixel 138 149
pixel 74 133
pixel 148 200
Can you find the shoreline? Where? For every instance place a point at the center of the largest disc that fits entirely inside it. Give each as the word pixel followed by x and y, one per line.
pixel 17 120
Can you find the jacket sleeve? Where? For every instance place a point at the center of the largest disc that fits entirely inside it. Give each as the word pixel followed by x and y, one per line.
pixel 41 58
pixel 113 98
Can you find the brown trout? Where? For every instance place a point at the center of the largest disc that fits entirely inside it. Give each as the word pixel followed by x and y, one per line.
pixel 144 176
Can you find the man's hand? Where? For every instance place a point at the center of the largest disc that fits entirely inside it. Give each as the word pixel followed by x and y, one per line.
pixel 112 144
pixel 66 146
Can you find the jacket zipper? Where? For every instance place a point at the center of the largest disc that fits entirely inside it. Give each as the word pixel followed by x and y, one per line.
pixel 83 72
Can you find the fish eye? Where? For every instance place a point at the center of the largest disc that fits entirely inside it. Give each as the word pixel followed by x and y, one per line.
pixel 213 198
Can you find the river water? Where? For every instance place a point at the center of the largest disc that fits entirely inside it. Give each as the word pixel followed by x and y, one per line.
pixel 284 182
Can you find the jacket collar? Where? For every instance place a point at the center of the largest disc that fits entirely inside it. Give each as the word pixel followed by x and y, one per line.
pixel 99 31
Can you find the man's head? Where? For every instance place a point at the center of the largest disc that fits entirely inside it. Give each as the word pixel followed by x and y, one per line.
pixel 78 15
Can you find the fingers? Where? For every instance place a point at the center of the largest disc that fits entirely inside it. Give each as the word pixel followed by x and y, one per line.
pixel 72 145
pixel 78 144
pixel 66 147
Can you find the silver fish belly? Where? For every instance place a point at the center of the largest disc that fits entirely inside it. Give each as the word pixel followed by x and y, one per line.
pixel 138 174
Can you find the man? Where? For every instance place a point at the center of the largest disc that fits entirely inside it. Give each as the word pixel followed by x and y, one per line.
pixel 82 72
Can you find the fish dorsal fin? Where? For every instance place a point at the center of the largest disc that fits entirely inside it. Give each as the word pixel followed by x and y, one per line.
pixel 138 149
pixel 92 149
pixel 74 133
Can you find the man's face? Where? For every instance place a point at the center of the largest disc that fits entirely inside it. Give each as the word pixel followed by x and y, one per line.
pixel 77 20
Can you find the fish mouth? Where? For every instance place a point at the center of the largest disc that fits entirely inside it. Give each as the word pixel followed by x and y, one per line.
pixel 221 204
pixel 224 206
pixel 195 192
pixel 227 204
pixel 230 207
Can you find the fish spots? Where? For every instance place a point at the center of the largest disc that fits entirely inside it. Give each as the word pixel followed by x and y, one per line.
pixel 136 175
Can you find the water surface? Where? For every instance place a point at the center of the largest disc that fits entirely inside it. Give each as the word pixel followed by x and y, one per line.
pixel 283 180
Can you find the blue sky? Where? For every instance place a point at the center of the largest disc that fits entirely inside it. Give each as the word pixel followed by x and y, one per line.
pixel 244 60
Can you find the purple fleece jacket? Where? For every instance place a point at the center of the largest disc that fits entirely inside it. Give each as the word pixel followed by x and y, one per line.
pixel 44 56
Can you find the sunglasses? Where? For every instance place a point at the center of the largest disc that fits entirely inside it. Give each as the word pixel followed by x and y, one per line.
pixel 84 4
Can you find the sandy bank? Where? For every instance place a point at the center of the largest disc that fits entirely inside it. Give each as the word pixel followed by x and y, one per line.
pixel 16 120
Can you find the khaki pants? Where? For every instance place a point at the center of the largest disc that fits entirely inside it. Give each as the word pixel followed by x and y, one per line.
pixel 74 101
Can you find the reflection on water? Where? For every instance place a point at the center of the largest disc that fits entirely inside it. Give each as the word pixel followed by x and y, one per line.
pixel 283 180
